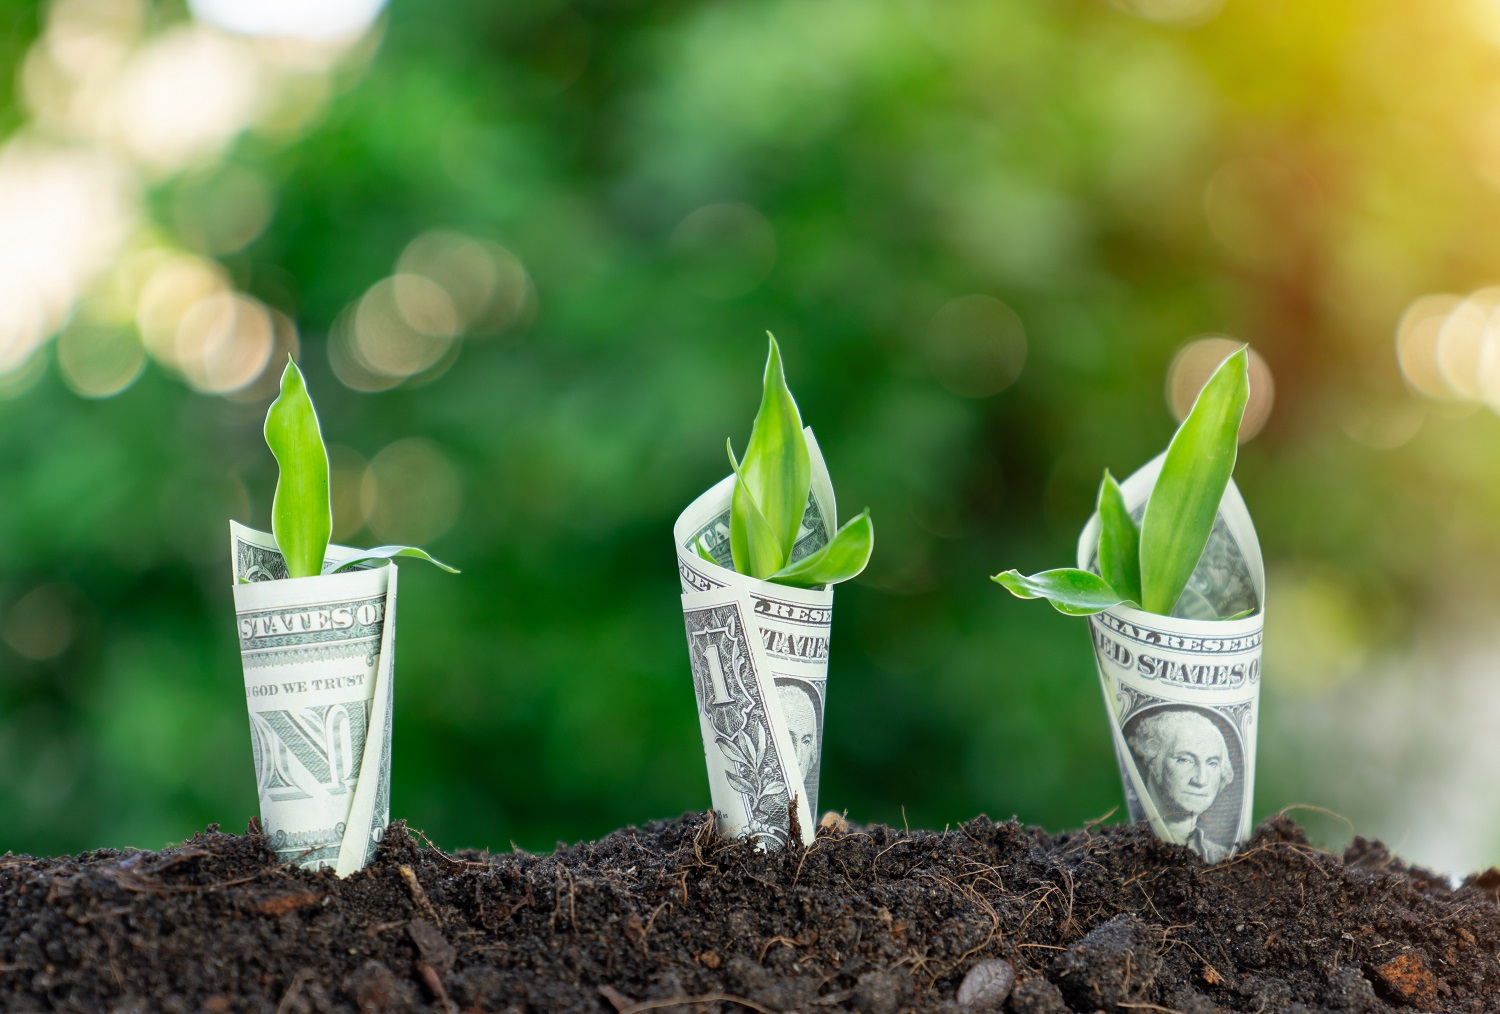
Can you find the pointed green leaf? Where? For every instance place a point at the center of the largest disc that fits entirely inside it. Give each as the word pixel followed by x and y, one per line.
pixel 386 553
pixel 301 514
pixel 754 546
pixel 1185 500
pixel 1074 592
pixel 703 553
pixel 776 468
pixel 1119 541
pixel 845 556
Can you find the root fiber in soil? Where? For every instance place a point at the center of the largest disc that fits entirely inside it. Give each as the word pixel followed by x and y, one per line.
pixel 670 918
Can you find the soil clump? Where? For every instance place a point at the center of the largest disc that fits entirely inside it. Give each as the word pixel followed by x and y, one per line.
pixel 670 918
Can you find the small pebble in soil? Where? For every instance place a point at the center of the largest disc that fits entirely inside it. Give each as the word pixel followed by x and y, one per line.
pixel 877 993
pixel 987 985
pixel 1114 964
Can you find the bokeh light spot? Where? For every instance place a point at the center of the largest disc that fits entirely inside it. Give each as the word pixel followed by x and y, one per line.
pixel 728 249
pixel 385 342
pixel 97 361
pixel 176 284
pixel 317 20
pixel 487 284
pixel 976 346
pixel 1461 339
pixel 184 96
pixel 411 492
pixel 40 625
pixel 345 359
pixel 1417 344
pixel 224 342
pixel 1196 361
pixel 425 305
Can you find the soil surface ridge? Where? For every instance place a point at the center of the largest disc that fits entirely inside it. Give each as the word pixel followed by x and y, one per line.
pixel 667 917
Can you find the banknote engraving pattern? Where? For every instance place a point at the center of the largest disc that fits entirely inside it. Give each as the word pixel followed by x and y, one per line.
pixel 728 695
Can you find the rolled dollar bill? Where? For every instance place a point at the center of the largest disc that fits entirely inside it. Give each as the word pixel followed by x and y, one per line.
pixel 318 655
pixel 759 658
pixel 1182 692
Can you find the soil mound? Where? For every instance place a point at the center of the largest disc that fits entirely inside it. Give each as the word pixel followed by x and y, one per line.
pixel 669 918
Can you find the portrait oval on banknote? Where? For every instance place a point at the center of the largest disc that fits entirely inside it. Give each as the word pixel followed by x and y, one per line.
pixel 1192 763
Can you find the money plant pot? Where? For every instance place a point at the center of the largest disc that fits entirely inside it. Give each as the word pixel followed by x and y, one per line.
pixel 319 659
pixel 1182 692
pixel 758 652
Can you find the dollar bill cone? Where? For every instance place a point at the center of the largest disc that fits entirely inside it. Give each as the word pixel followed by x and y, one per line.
pixel 1170 576
pixel 758 555
pixel 316 626
pixel 1182 692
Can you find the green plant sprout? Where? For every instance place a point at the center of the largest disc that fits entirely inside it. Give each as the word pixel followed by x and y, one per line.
pixel 302 511
pixel 1149 567
pixel 771 488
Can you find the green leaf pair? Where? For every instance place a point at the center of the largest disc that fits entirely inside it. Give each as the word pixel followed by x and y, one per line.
pixel 771 488
pixel 302 512
pixel 1150 566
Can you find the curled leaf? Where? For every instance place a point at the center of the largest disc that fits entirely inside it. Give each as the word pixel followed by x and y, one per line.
pixel 1071 591
pixel 302 513
pixel 387 553
pixel 844 557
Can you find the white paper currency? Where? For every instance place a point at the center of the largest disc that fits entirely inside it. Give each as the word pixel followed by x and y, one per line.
pixel 759 657
pixel 1183 693
pixel 318 655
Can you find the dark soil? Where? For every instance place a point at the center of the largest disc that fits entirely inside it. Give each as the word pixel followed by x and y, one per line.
pixel 668 918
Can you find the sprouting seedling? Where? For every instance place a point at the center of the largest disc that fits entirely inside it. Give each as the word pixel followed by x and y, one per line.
pixel 302 511
pixel 772 483
pixel 1149 567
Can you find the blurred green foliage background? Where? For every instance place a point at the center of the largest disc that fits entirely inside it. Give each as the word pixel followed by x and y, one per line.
pixel 527 253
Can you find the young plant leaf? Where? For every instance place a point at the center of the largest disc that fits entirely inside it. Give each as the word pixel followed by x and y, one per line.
pixel 1119 541
pixel 756 550
pixel 387 553
pixel 1180 514
pixel 776 469
pixel 1071 591
pixel 301 513
pixel 845 556
pixel 703 553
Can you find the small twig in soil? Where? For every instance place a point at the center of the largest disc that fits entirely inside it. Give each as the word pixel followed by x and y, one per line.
pixel 619 1001
pixel 635 1008
pixel 1319 809
pixel 772 942
pixel 1150 1006
pixel 418 895
pixel 459 863
pixel 805 853
pixel 304 975
pixel 1090 825
pixel 108 913
pixel 652 922
pixel 380 927
pixel 511 912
